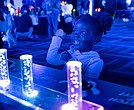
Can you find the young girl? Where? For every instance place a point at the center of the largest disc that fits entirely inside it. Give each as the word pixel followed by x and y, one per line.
pixel 87 31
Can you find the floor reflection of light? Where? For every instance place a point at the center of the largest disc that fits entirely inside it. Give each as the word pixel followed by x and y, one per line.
pixel 33 94
pixel 27 104
pixel 93 105
pixel 38 108
pixel 30 105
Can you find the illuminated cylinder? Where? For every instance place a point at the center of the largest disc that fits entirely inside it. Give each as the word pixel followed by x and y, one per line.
pixel 27 74
pixel 74 78
pixel 4 73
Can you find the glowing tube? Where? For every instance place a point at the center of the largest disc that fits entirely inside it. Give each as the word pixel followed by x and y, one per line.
pixel 27 75
pixel 4 73
pixel 74 84
pixel 68 107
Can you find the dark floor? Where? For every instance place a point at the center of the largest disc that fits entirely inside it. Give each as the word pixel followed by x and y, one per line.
pixel 116 49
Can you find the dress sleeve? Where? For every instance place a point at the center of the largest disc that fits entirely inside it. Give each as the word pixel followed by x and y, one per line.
pixel 94 67
pixel 53 57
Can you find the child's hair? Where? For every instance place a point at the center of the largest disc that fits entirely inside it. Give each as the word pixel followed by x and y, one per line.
pixel 99 23
pixel 105 20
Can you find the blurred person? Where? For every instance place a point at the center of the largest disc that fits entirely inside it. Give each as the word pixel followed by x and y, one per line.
pixel 24 4
pixel 65 22
pixel 2 19
pixel 52 11
pixel 87 32
pixel 9 18
pixel 24 26
pixel 9 4
pixel 35 22
pixel 43 6
pixel 84 7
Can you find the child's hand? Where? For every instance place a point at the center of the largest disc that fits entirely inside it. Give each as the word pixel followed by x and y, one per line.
pixel 65 56
pixel 60 33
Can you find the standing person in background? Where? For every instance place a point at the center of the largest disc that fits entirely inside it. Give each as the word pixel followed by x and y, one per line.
pixel 25 5
pixel 11 6
pixel 35 22
pixel 52 11
pixel 43 6
pixel 84 7
pixel 87 31
pixel 65 22
pixel 2 19
pixel 9 18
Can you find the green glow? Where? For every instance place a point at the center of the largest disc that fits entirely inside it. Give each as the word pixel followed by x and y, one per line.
pixel 74 10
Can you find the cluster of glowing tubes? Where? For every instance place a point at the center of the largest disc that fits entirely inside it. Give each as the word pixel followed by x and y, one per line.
pixel 73 77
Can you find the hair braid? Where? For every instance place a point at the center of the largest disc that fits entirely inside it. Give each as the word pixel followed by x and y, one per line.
pixel 105 20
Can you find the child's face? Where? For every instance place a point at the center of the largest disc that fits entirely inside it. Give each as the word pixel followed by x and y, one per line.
pixel 82 36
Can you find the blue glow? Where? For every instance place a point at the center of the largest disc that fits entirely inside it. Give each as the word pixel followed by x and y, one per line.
pixel 28 104
pixel 33 94
pixel 4 73
pixel 27 74
pixel 74 84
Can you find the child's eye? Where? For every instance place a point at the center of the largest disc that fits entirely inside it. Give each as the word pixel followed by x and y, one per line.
pixel 83 33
